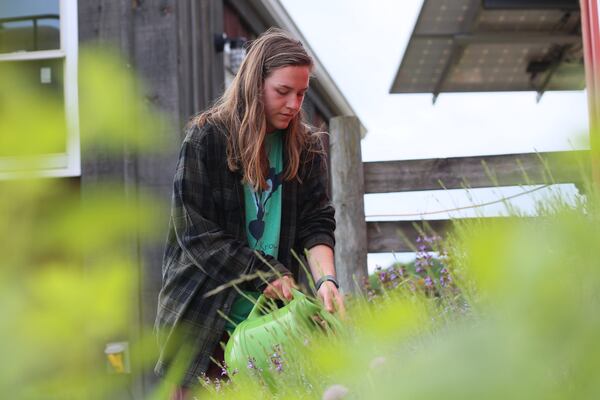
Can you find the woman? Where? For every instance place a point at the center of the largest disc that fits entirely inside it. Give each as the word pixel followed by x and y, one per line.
pixel 250 186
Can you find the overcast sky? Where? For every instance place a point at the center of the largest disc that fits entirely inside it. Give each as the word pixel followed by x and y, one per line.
pixel 361 44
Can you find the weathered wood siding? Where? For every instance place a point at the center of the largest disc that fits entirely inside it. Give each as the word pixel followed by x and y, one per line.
pixel 168 43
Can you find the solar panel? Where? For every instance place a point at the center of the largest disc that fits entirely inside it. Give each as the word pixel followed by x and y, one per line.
pixel 462 46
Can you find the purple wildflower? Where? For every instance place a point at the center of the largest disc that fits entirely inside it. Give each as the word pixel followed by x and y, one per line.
pixel 428 282
pixel 276 358
pixel 224 369
pixel 383 276
pixel 443 281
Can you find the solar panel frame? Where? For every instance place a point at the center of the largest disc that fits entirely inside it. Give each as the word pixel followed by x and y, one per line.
pixel 458 46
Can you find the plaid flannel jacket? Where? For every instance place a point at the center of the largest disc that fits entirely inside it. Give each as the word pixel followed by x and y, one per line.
pixel 207 246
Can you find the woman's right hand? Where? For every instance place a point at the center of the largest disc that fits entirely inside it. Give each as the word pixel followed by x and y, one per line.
pixel 280 289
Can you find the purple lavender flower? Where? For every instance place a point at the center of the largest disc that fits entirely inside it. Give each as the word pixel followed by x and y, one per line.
pixel 277 363
pixel 443 281
pixel 383 276
pixel 428 282
pixel 224 369
pixel 276 358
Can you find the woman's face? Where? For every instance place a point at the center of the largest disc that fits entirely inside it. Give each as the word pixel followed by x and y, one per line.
pixel 283 93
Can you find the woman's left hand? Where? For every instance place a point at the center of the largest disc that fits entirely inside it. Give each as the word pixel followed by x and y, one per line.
pixel 280 289
pixel 332 299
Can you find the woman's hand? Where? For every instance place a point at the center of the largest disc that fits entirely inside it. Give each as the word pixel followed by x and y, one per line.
pixel 332 299
pixel 280 288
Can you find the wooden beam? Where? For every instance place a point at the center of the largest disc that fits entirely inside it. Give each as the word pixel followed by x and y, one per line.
pixel 475 172
pixel 401 236
pixel 348 200
pixel 249 13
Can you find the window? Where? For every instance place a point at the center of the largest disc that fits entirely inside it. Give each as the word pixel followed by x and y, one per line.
pixel 39 39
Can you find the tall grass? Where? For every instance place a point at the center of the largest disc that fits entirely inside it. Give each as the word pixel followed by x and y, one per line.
pixel 511 311
pixel 516 317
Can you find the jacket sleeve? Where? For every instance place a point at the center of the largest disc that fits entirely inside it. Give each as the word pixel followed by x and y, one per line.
pixel 216 252
pixel 316 224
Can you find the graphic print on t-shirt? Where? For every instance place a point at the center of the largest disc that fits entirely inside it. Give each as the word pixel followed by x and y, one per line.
pixel 257 225
pixel 263 208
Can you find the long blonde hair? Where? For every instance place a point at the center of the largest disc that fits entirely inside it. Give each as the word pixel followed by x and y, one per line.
pixel 240 110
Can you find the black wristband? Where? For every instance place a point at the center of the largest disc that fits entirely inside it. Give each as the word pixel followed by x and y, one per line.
pixel 326 278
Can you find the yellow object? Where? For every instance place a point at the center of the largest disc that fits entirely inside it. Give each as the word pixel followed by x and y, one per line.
pixel 116 361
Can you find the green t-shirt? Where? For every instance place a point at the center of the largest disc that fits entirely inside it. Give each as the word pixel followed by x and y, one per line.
pixel 263 219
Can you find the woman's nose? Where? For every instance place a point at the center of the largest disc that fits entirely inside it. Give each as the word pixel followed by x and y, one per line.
pixel 294 102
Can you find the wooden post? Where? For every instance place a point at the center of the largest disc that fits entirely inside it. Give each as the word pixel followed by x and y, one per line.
pixel 347 188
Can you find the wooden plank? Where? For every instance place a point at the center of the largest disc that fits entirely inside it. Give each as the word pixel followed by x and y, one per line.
pixel 475 172
pixel 185 66
pixel 208 69
pixel 401 236
pixel 148 35
pixel 348 200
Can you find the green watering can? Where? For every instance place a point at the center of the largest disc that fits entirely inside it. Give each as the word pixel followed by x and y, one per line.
pixel 257 343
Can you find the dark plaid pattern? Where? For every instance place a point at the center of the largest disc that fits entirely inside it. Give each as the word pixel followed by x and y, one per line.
pixel 207 246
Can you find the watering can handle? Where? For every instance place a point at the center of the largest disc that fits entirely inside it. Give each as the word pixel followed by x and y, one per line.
pixel 262 300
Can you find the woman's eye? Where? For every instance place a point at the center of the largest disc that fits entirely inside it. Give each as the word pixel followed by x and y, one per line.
pixel 281 92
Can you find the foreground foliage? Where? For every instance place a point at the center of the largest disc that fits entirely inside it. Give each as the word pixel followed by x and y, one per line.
pixel 506 309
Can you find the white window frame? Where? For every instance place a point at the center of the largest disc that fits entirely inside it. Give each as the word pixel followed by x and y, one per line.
pixel 66 164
